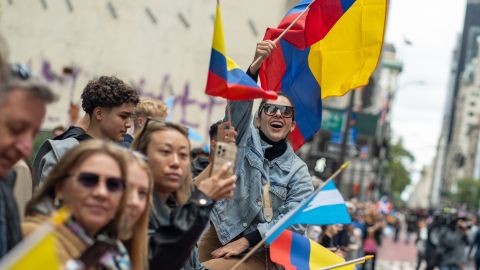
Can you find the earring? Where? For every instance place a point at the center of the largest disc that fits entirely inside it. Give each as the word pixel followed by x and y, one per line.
pixel 57 202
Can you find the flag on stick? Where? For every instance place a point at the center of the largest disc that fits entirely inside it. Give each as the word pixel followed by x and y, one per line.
pixel 324 207
pixel 332 49
pixel 295 251
pixel 39 249
pixel 225 78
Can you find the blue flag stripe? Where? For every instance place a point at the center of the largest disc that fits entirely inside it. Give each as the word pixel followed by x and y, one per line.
pixel 324 215
pixel 301 86
pixel 300 252
pixel 237 76
pixel 218 64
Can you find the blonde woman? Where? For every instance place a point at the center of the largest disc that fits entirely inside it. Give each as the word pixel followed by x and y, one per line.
pixel 89 180
pixel 135 214
pixel 181 211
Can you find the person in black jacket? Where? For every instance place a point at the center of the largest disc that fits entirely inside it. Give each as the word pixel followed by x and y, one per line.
pixel 180 211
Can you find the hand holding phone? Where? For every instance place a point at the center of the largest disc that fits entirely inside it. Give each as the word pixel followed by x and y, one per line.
pixel 224 153
pixel 220 185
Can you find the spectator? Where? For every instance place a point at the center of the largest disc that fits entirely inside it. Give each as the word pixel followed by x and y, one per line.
pixel 109 103
pixel 200 168
pixel 181 211
pixel 146 108
pixel 327 237
pixel 272 180
pixel 18 128
pixel 89 180
pixel 421 242
pixel 411 227
pixel 453 245
pixel 135 216
pixel 476 245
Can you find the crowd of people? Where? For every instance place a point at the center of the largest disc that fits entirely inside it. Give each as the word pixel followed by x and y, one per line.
pixel 136 198
pixel 448 240
pixel 360 238
pixel 444 239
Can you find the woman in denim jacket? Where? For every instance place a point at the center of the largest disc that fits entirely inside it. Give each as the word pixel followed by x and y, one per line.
pixel 271 180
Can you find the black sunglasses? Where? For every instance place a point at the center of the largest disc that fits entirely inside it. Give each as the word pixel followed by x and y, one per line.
pixel 91 180
pixel 271 110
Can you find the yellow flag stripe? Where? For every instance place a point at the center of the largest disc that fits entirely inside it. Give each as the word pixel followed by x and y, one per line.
pixel 218 37
pixel 349 53
pixel 322 257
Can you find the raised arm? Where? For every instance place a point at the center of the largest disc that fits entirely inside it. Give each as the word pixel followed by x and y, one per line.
pixel 241 111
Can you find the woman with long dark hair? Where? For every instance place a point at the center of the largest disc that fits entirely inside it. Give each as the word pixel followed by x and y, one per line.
pixel 181 210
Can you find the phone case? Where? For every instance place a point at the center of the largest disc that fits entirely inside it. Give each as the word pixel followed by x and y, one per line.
pixel 224 152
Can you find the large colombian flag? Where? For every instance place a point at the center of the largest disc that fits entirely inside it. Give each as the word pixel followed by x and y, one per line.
pixel 225 78
pixel 295 251
pixel 332 49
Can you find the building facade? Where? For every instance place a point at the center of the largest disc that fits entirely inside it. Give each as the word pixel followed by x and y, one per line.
pixel 160 47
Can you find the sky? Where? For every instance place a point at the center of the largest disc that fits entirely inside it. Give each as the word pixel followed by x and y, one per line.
pixel 432 27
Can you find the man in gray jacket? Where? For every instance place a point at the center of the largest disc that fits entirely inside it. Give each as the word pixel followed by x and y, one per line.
pixel 109 103
pixel 453 246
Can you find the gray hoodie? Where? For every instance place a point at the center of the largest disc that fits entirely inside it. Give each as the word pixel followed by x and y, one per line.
pixel 47 157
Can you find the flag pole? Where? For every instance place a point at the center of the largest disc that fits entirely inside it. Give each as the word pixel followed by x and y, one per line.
pixel 229 112
pixel 260 58
pixel 354 261
pixel 257 246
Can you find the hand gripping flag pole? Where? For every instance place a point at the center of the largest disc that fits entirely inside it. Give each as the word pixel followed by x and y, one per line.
pixel 261 58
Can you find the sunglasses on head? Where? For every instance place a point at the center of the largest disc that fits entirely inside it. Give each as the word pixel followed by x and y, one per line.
pixel 271 110
pixel 145 126
pixel 20 71
pixel 91 180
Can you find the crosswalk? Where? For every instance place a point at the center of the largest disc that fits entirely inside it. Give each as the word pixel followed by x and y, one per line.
pixel 395 265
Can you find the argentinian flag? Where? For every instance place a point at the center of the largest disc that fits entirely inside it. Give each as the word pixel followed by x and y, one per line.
pixel 325 206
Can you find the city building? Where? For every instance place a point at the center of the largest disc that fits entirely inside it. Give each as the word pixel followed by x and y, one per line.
pixel 367 143
pixel 160 47
pixel 448 155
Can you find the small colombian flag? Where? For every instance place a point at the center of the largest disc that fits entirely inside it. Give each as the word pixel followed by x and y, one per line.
pixel 225 78
pixel 295 251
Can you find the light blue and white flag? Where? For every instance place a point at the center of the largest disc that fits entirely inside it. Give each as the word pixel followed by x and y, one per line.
pixel 325 206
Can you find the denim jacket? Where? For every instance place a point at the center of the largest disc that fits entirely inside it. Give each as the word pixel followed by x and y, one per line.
pixel 290 182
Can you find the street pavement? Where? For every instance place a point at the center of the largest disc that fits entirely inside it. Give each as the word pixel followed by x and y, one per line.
pixel 396 256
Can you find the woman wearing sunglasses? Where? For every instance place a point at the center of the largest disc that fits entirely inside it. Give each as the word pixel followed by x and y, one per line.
pixel 135 215
pixel 181 211
pixel 272 181
pixel 89 181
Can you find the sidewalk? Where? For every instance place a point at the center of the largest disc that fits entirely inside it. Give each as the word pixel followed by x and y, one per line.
pixel 396 256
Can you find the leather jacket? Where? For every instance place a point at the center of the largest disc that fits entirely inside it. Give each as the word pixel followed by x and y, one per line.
pixel 173 230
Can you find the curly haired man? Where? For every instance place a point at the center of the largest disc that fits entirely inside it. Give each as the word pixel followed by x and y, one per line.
pixel 109 103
